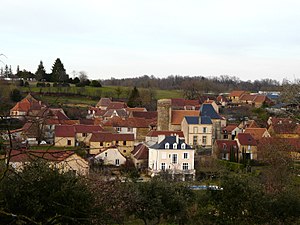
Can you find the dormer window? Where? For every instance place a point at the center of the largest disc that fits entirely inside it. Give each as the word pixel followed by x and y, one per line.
pixel 175 146
pixel 167 146
pixel 183 146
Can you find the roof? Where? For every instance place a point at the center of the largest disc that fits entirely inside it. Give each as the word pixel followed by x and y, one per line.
pixel 229 128
pixel 30 155
pixel 178 115
pixel 64 131
pixel 156 133
pixel 246 139
pixel 257 133
pixel 247 97
pixel 171 140
pixel 209 111
pixel 198 120
pixel 117 105
pixel 221 98
pixel 28 103
pixel 108 137
pixel 226 145
pixel 61 122
pixel 262 99
pixel 103 102
pixel 284 128
pixel 279 120
pixel 136 109
pixel 146 115
pixel 236 93
pixel 82 128
pixel 181 103
pixel 115 112
pixel 140 152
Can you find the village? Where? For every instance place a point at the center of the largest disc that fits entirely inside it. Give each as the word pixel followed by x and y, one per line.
pixel 169 141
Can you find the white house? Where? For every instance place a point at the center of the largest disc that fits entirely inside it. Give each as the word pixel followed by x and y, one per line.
pixel 111 156
pixel 173 156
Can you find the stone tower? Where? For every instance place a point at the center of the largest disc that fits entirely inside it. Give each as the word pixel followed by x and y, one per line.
pixel 163 114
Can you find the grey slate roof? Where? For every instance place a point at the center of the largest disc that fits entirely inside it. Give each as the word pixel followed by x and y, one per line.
pixel 171 140
pixel 198 120
pixel 208 110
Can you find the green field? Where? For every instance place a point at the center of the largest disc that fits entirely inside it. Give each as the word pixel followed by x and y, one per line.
pixel 90 95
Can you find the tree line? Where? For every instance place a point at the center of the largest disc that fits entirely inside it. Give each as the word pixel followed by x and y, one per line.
pixel 223 83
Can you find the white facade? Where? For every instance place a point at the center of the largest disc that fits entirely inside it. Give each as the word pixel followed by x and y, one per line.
pixel 111 156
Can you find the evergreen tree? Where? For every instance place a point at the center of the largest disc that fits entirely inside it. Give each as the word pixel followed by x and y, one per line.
pixel 134 99
pixel 58 72
pixel 6 71
pixel 40 74
pixel 10 72
pixel 18 69
pixel 1 71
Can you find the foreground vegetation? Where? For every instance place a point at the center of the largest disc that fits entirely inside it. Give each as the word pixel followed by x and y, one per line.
pixel 40 195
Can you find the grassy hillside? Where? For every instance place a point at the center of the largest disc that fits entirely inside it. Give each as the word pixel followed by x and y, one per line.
pixel 83 96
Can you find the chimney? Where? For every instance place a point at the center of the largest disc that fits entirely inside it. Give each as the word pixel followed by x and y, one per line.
pixel 177 138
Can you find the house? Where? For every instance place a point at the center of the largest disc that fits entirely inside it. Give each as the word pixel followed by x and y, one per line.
pixel 28 106
pixel 230 131
pixel 140 155
pixel 150 115
pixel 234 96
pixel 173 156
pixel 257 133
pixel 213 104
pixel 103 103
pixel 64 136
pixel 279 120
pixel 139 127
pixel 83 132
pixel 247 146
pixel 197 131
pixel 217 120
pixel 111 156
pixel 285 130
pixel 177 117
pixel 261 100
pixel 65 161
pixel 102 140
pixel 184 104
pixel 226 150
pixel 222 100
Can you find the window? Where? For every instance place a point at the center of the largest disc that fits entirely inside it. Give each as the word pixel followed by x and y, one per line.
pixel 105 154
pixel 185 155
pixel 195 130
pixel 84 134
pixel 249 147
pixel 69 142
pixel 124 142
pixel 204 129
pixel 117 142
pixel 167 146
pixel 101 143
pixel 174 159
pixel 163 166
pixel 129 129
pixel 124 151
pixel 204 140
pixel 175 146
pixel 118 129
pixel 195 140
pixel 183 146
pixel 117 162
pixel 185 166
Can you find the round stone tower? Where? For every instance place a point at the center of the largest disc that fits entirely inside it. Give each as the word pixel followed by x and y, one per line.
pixel 163 114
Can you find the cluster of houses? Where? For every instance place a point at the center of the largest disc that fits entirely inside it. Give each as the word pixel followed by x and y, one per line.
pixel 167 140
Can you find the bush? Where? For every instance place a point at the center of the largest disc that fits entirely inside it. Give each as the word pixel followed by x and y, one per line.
pixel 40 84
pixel 95 83
pixel 15 95
pixel 26 84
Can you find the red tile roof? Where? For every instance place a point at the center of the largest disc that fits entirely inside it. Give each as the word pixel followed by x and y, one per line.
pixel 64 131
pixel 117 105
pixel 246 139
pixel 236 93
pixel 229 128
pixel 103 102
pixel 82 128
pixel 146 115
pixel 257 133
pixel 286 128
pixel 140 152
pixel 108 137
pixel 247 97
pixel 128 122
pixel 30 155
pixel 178 115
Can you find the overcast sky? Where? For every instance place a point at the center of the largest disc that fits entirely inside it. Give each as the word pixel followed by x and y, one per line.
pixel 127 38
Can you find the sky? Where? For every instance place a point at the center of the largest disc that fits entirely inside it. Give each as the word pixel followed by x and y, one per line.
pixel 251 40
